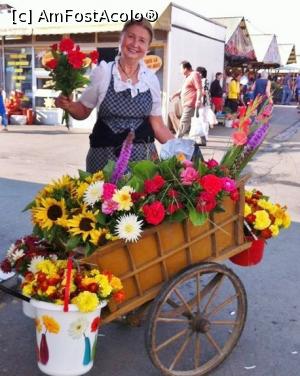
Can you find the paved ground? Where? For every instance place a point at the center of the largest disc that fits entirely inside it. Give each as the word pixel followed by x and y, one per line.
pixel 270 344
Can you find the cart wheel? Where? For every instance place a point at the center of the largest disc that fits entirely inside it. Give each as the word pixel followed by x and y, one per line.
pixel 196 320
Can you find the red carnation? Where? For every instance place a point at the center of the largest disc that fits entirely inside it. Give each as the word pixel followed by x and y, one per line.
pixel 94 56
pixel 154 213
pixel 206 202
pixel 154 185
pixel 52 64
pixel 251 218
pixel 66 45
pixel 211 184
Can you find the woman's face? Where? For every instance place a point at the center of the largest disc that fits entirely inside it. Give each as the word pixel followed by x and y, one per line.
pixel 135 42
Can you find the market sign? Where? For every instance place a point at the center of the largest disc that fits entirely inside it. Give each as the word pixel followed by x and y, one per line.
pixel 153 62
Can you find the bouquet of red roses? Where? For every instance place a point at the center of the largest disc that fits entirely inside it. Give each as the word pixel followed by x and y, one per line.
pixel 68 65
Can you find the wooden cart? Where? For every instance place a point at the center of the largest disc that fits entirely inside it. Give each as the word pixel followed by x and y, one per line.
pixel 199 308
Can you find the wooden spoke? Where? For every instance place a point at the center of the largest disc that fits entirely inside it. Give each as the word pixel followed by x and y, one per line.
pixel 171 303
pixel 213 342
pixel 197 354
pixel 224 322
pixel 172 339
pixel 222 305
pixel 183 301
pixel 218 283
pixel 181 351
pixel 169 319
pixel 198 296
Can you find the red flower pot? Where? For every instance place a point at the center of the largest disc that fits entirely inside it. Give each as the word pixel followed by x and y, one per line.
pixel 251 256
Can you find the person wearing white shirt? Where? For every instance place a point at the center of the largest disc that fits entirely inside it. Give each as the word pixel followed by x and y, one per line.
pixel 127 96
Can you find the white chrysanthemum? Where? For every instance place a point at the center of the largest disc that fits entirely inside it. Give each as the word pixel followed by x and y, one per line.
pixel 17 254
pixel 10 251
pixel 129 228
pixel 93 193
pixel 78 327
pixel 35 260
pixel 53 257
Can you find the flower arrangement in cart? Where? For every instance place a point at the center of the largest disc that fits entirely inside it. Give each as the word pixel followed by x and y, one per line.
pixel 68 65
pixel 93 209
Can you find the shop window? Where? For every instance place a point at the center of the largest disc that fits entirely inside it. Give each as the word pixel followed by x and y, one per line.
pixel 18 73
pixel 83 37
pixel 108 37
pixel 48 38
pixel 17 39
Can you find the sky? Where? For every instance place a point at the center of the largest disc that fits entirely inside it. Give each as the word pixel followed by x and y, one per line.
pixel 265 16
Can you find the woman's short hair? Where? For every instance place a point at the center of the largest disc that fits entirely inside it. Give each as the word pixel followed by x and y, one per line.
pixel 143 23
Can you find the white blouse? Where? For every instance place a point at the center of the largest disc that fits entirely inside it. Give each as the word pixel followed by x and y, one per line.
pixel 94 94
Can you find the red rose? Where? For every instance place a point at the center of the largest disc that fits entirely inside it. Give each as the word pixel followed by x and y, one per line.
pixel 136 196
pixel 52 64
pixel 154 185
pixel 154 213
pixel 95 324
pixel 94 56
pixel 66 45
pixel 206 202
pixel 75 58
pixel 211 184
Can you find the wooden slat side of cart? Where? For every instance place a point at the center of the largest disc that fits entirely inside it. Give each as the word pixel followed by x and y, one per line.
pixel 166 249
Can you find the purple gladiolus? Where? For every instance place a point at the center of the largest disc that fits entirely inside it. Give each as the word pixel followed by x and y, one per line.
pixel 122 162
pixel 256 138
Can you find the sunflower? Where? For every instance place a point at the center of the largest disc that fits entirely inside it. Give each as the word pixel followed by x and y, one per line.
pixel 78 191
pixel 64 182
pixel 50 212
pixel 96 176
pixel 83 224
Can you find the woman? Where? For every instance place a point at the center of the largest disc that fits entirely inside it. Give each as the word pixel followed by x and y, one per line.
pixel 127 95
pixel 234 92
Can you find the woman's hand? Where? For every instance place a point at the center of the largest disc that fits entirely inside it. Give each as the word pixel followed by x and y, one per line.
pixel 63 102
pixel 76 109
pixel 161 132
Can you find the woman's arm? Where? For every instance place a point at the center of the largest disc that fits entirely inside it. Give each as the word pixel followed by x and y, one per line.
pixel 76 109
pixel 268 91
pixel 161 132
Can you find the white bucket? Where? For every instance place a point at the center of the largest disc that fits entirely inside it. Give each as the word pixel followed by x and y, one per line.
pixel 66 341
pixel 28 310
pixel 228 123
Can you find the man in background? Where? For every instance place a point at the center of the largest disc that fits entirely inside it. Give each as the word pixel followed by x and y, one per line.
pixel 190 95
